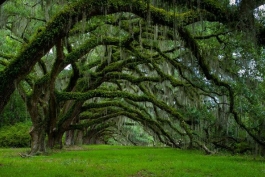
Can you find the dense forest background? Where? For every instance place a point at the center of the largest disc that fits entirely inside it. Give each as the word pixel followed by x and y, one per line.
pixel 184 74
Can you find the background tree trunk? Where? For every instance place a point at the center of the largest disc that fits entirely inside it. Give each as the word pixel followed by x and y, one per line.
pixel 69 138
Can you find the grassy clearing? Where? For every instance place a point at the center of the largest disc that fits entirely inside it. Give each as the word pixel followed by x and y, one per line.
pixel 115 161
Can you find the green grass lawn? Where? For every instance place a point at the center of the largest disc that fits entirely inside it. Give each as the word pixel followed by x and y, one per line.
pixel 115 161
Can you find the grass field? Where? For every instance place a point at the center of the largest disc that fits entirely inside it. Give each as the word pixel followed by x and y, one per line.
pixel 116 161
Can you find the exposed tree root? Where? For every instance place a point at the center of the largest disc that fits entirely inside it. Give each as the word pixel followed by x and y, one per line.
pixel 207 151
pixel 25 155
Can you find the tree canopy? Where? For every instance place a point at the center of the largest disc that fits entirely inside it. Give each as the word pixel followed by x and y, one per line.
pixel 187 73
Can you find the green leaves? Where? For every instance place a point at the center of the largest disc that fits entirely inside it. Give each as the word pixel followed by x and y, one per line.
pixel 15 136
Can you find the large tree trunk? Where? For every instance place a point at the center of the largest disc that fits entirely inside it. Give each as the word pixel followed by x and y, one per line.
pixel 38 129
pixel 37 140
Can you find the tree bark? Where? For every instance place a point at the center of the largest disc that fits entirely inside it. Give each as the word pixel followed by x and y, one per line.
pixel 37 134
pixel 55 140
pixel 69 138
pixel 79 137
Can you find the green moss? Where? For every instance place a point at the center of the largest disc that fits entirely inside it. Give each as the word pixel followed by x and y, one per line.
pixel 43 80
pixel 98 93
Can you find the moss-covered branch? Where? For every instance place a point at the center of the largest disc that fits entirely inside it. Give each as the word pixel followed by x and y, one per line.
pixel 99 93
pixel 60 26
pixel 129 112
pixel 195 49
pixel 132 79
pixel 170 110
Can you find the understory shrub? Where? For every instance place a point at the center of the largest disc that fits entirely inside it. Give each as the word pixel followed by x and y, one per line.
pixel 15 136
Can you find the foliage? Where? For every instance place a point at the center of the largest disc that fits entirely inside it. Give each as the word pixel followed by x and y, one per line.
pixel 14 112
pixel 15 136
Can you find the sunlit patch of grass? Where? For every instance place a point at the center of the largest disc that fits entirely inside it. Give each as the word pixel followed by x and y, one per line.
pixel 128 162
